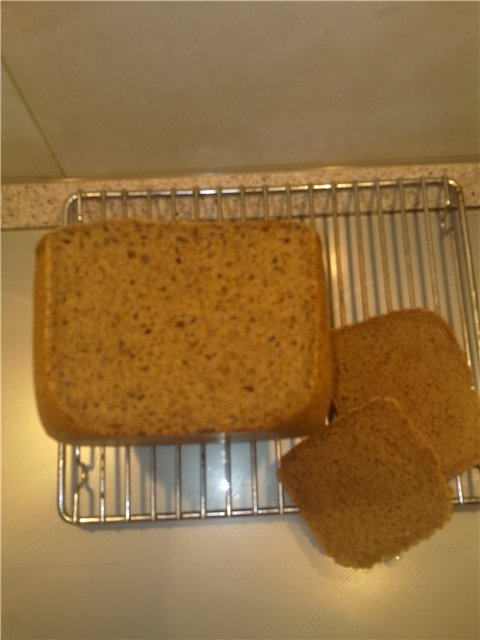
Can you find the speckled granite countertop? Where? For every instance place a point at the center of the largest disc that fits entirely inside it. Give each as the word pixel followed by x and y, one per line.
pixel 40 204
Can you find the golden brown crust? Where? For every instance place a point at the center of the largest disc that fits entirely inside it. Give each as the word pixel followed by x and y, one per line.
pixel 64 424
pixel 58 423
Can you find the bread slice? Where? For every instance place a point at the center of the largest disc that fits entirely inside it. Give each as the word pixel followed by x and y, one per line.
pixel 368 486
pixel 413 356
pixel 184 330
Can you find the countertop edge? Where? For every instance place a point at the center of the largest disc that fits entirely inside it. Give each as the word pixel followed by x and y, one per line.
pixel 39 205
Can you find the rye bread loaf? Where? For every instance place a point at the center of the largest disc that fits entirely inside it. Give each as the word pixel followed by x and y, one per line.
pixel 369 486
pixel 184 330
pixel 412 355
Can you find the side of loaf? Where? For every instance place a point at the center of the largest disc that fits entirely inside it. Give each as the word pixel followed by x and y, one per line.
pixel 150 332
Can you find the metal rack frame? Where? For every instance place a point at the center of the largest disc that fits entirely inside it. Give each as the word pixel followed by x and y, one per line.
pixel 388 244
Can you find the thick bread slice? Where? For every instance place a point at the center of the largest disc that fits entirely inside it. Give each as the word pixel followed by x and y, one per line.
pixel 368 486
pixel 160 331
pixel 413 356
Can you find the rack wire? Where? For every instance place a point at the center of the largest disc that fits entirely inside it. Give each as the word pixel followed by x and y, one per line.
pixel 387 245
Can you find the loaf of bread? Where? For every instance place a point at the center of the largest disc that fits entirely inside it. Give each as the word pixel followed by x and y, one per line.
pixel 369 486
pixel 413 356
pixel 162 331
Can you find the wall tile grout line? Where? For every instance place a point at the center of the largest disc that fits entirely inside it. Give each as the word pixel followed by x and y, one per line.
pixel 33 117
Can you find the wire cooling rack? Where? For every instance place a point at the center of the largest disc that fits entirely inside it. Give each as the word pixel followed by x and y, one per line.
pixel 387 245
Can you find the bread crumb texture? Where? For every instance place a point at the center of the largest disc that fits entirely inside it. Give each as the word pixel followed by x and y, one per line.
pixel 149 329
pixel 413 356
pixel 368 486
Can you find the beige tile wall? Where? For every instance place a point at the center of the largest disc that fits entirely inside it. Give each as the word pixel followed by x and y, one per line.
pixel 118 88
pixel 24 150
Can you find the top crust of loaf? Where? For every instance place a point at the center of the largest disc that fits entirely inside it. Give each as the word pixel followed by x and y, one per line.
pixel 412 355
pixel 183 330
pixel 368 485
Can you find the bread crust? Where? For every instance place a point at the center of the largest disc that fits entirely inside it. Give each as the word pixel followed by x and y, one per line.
pixel 64 425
